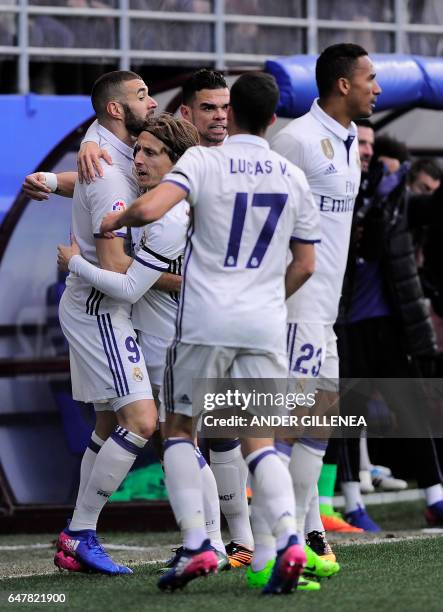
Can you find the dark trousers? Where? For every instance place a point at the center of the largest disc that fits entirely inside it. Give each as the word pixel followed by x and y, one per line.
pixel 372 348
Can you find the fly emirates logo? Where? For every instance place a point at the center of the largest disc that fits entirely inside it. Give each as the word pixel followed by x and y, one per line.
pixel 340 205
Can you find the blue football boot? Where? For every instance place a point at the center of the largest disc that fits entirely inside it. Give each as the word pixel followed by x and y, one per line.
pixel 288 568
pixel 189 564
pixel 85 548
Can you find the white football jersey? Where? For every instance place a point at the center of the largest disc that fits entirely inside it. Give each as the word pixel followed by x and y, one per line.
pixel 328 154
pixel 116 190
pixel 158 246
pixel 160 249
pixel 247 202
pixel 161 246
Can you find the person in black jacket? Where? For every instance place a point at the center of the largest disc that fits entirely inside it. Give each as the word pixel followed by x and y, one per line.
pixel 384 329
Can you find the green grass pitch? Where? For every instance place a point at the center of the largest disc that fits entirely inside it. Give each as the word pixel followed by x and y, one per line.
pixel 390 574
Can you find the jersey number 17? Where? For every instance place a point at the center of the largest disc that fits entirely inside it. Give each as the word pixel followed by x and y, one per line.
pixel 275 202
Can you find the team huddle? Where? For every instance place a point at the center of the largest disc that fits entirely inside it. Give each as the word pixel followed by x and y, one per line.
pixel 201 251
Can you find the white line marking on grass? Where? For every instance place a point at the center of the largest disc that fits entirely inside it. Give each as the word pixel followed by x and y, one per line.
pixel 384 497
pixel 108 546
pixel 424 535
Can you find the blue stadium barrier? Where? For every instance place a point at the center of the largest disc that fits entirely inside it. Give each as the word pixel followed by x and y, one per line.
pixel 31 126
pixel 406 81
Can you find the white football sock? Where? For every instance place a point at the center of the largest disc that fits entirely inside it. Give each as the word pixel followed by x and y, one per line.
pixel 264 541
pixel 88 460
pixel 231 475
pixel 433 494
pixel 272 483
pixel 313 518
pixel 113 462
pixel 304 467
pixel 184 483
pixel 284 451
pixel 210 503
pixel 352 495
pixel 365 462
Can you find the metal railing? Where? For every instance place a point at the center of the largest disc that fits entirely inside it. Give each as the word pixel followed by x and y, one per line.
pixel 220 56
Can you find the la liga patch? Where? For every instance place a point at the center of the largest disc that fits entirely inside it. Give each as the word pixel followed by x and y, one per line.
pixel 118 205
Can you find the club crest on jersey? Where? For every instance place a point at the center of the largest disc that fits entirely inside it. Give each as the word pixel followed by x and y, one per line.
pixel 137 374
pixel 118 205
pixel 327 148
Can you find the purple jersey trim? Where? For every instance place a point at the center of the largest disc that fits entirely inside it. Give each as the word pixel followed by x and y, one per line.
pixel 118 234
pixel 304 241
pixel 148 265
pixel 177 183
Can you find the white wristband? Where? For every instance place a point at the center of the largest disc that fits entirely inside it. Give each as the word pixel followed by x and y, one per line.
pixel 50 180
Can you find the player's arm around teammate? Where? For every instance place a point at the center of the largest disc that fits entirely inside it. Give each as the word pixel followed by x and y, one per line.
pixel 40 185
pixel 152 159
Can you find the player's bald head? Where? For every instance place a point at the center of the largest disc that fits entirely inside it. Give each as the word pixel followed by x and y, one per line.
pixel 108 87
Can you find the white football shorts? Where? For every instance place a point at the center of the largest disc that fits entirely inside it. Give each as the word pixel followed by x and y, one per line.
pixel 312 354
pixel 106 360
pixel 187 361
pixel 154 350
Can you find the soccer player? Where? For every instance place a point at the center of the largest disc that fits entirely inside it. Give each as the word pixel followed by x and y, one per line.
pixel 205 100
pixel 210 109
pixel 106 364
pixel 247 202
pixel 160 247
pixel 323 143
